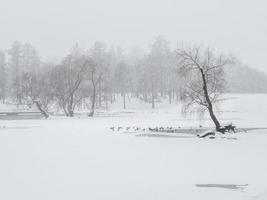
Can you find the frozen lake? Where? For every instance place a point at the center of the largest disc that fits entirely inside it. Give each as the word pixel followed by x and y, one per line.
pixel 81 158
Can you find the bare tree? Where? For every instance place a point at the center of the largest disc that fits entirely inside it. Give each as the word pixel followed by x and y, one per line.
pixel 161 55
pixel 100 57
pixel 122 80
pixel 14 62
pixel 30 60
pixel 23 59
pixel 66 80
pixel 204 76
pixel 95 75
pixel 34 91
pixel 3 78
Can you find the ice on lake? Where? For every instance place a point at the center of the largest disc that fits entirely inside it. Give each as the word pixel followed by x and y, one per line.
pixel 81 158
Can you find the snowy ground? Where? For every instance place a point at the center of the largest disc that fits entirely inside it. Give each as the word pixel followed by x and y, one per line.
pixel 82 158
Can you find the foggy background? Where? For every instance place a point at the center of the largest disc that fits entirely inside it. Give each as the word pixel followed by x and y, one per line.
pixel 53 26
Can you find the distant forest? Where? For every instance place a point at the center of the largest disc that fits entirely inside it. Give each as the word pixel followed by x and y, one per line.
pixel 243 79
pixel 95 76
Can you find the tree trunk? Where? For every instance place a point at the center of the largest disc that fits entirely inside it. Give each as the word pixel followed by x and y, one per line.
pixel 124 101
pixel 153 100
pixel 99 94
pixel 145 97
pixel 210 107
pixel 161 93
pixel 92 112
pixel 177 95
pixel 106 101
pixel 41 110
pixel 70 106
pixel 111 98
pixel 170 97
pixel 64 107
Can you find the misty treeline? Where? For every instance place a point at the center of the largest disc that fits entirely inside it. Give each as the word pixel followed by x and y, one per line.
pixel 96 77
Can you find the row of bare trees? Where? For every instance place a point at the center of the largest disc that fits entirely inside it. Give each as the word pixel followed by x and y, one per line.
pixel 96 76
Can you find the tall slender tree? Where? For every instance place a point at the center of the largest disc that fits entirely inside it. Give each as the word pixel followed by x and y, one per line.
pixel 15 64
pixel 122 80
pixel 3 74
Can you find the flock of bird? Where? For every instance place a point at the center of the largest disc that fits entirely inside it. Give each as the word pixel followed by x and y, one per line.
pixel 136 129
pixel 128 128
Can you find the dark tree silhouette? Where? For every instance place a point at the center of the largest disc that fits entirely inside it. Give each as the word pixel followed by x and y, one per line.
pixel 204 79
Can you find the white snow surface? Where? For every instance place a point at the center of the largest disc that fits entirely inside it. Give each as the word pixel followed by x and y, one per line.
pixel 81 158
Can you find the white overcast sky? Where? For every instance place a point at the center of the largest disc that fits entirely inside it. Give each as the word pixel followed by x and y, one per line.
pixel 53 26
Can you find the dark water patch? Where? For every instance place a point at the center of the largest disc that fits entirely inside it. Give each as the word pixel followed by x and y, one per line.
pixel 189 132
pixel 195 131
pixel 223 186
pixel 206 119
pixel 17 127
pixel 249 129
pixel 229 138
